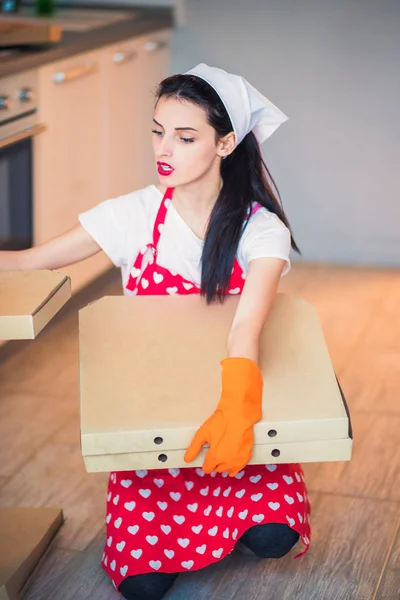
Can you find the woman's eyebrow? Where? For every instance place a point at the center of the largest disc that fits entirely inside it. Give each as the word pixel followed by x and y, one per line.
pixel 177 128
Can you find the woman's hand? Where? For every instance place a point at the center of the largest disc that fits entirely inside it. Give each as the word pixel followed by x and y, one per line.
pixel 229 430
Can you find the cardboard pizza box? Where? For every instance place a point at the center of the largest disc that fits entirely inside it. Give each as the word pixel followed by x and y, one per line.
pixel 29 300
pixel 25 534
pixel 150 375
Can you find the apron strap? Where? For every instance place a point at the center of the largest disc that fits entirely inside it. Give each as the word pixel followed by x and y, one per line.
pixel 160 218
pixel 255 209
pixel 137 269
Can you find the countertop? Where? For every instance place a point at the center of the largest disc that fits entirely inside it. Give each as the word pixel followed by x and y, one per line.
pixel 144 20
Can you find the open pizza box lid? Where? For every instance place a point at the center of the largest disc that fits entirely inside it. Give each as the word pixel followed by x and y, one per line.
pixel 29 300
pixel 150 375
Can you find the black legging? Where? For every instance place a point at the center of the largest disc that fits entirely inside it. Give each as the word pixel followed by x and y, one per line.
pixel 272 540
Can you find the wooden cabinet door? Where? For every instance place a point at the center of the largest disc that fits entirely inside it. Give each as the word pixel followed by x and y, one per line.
pixel 122 140
pixel 154 66
pixel 132 70
pixel 68 174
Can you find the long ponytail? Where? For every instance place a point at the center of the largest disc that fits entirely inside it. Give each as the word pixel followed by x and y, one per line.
pixel 245 180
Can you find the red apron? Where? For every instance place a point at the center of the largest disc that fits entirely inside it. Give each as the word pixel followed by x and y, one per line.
pixel 182 519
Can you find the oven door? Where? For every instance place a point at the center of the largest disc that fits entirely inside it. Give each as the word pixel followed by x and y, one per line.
pixel 16 196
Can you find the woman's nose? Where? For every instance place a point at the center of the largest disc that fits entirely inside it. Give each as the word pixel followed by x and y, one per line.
pixel 164 148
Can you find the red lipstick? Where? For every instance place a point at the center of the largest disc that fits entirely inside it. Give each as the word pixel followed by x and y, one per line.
pixel 164 169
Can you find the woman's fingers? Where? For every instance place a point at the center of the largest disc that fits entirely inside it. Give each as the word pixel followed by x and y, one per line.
pixel 196 445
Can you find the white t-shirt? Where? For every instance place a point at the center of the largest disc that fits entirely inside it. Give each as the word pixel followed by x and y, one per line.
pixel 123 226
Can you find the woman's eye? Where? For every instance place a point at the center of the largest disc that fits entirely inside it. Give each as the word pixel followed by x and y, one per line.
pixel 185 140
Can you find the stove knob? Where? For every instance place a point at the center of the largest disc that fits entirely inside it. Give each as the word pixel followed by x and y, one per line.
pixel 26 95
pixel 5 103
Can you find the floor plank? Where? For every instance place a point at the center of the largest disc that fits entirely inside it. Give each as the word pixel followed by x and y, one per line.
pixel 297 279
pixel 355 505
pixel 48 573
pixel 346 301
pixel 343 332
pixel 27 421
pixel 50 370
pixel 72 576
pixel 344 562
pixel 56 476
pixel 374 470
pixel 385 326
pixel 347 284
pixel 389 587
pixel 379 390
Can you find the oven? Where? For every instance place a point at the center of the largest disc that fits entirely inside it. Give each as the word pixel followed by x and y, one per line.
pixel 18 125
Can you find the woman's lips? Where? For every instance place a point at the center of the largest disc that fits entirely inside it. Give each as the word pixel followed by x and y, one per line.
pixel 164 169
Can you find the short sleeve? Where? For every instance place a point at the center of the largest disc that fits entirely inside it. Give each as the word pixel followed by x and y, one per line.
pixel 106 229
pixel 265 236
pixel 121 226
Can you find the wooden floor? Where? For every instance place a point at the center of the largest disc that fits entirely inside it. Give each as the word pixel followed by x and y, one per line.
pixel 355 552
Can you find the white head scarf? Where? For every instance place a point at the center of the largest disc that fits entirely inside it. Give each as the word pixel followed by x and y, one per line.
pixel 247 108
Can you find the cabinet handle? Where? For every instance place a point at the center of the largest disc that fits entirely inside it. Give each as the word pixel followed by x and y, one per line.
pixel 74 73
pixel 154 46
pixel 22 135
pixel 5 103
pixel 122 57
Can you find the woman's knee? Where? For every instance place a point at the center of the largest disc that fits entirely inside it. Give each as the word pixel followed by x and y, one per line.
pixel 148 586
pixel 271 540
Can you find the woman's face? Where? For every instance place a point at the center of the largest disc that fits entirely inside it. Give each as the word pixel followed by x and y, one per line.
pixel 184 142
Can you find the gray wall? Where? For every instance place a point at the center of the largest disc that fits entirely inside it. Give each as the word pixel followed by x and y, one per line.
pixel 333 67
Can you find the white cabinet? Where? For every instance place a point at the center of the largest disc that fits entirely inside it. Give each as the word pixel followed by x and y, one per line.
pixel 132 71
pixel 67 156
pixel 155 65
pixel 122 77
pixel 97 108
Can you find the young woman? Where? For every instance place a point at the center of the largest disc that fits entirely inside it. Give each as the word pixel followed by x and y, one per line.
pixel 213 226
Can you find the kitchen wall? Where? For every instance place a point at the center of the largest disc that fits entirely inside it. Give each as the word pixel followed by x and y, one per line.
pixel 333 67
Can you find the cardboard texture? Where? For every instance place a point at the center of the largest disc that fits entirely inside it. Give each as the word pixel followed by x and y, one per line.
pixel 29 300
pixel 25 534
pixel 150 375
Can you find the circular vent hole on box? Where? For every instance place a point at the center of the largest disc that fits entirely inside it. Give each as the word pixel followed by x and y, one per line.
pixel 272 432
pixel 276 452
pixel 158 440
pixel 162 457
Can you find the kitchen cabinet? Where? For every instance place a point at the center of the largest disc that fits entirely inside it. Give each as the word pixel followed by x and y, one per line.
pixel 68 176
pixel 155 55
pixel 121 141
pixel 132 71
pixel 97 108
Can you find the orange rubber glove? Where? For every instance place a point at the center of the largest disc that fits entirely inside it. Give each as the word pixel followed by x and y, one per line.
pixel 229 430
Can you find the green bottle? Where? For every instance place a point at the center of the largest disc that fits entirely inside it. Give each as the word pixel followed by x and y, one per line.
pixel 44 7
